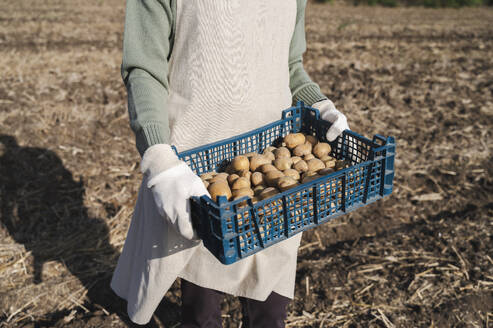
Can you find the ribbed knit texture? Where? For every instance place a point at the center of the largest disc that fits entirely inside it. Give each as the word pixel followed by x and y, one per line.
pixel 148 39
pixel 309 94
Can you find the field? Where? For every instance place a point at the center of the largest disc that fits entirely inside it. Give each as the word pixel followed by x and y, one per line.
pixel 69 171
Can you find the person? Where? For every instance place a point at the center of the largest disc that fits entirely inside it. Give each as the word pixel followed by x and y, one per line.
pixel 198 71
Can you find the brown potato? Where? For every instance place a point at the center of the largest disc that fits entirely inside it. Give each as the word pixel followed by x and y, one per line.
pixel 283 163
pixel 268 192
pixel 331 164
pixel 238 193
pixel 270 149
pixel 208 175
pixel 257 161
pixel 311 139
pixel 270 156
pixel 282 152
pixel 240 163
pixel 285 183
pixel 206 183
pixel 303 149
pixel 267 168
pixel 315 164
pixel 240 183
pixel 301 166
pixel 308 157
pixel 272 176
pixel 258 189
pixel 232 178
pixel 321 149
pixel 257 178
pixel 245 174
pixel 292 173
pixel 219 188
pixel 294 139
pixel 327 158
pixel 310 178
pixel 296 159
pixel 223 176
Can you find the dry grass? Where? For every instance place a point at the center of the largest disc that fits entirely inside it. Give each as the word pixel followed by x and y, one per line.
pixel 69 168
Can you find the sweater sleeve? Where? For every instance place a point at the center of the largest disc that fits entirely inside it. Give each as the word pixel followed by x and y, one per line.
pixel 302 87
pixel 146 48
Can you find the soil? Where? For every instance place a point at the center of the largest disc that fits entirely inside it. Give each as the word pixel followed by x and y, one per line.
pixel 69 169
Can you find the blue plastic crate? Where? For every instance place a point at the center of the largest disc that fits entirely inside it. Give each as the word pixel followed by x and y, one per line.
pixel 232 231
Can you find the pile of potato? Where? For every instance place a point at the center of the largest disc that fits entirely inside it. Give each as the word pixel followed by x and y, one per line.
pixel 300 159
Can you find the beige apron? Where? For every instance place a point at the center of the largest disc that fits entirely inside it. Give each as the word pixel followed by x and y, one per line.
pixel 228 74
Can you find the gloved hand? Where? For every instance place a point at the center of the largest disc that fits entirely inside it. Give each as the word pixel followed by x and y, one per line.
pixel 172 183
pixel 328 112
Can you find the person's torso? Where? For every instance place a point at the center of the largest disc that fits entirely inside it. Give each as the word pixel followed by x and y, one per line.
pixel 229 70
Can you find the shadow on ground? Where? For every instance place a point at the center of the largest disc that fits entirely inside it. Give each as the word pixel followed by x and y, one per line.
pixel 42 208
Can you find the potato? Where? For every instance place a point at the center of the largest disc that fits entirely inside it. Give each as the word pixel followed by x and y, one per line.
pixel 267 168
pixel 232 178
pixel 283 163
pixel 219 188
pixel 208 175
pixel 270 149
pixel 308 157
pixel 294 139
pixel 257 178
pixel 303 149
pixel 327 158
pixel 257 161
pixel 206 183
pixel 271 177
pixel 301 166
pixel 296 159
pixel 270 156
pixel 245 174
pixel 238 193
pixel 240 163
pixel 326 171
pixel 240 183
pixel 309 178
pixel 321 149
pixel 308 174
pixel 330 164
pixel 315 164
pixel 292 173
pixel 258 189
pixel 312 140
pixel 268 192
pixel 219 177
pixel 285 183
pixel 282 152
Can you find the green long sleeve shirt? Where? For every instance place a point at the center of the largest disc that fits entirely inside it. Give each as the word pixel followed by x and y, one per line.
pixel 147 45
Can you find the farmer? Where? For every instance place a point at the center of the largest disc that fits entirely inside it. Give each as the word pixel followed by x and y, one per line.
pixel 198 71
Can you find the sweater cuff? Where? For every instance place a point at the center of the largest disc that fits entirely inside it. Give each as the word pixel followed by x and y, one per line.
pixel 309 94
pixel 150 134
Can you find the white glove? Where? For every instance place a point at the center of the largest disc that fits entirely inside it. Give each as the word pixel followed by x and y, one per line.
pixel 328 112
pixel 172 183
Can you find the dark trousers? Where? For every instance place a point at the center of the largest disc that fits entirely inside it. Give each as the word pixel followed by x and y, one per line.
pixel 201 307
